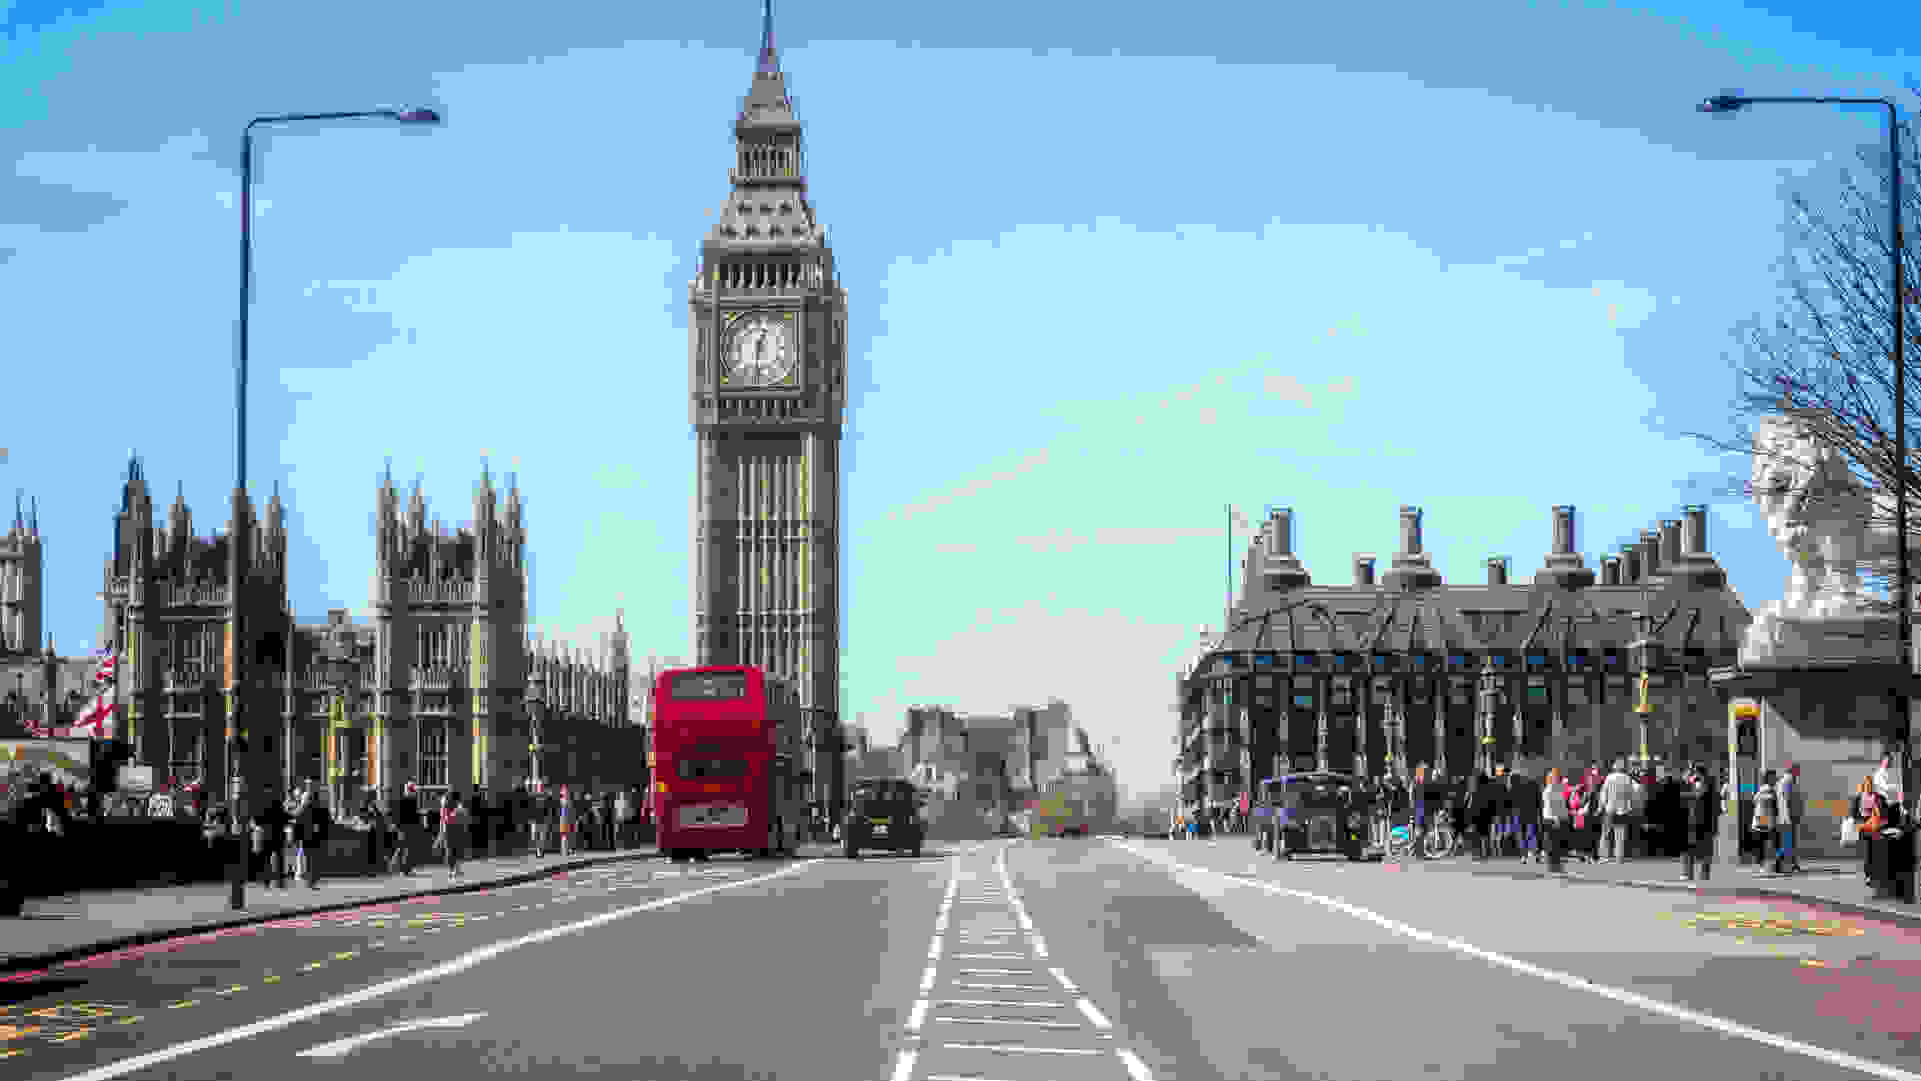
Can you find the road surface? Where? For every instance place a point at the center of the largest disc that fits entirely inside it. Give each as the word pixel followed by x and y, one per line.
pixel 1057 960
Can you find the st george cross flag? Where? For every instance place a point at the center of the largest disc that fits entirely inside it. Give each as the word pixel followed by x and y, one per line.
pixel 96 718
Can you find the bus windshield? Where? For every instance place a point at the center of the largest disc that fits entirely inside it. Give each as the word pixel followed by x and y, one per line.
pixel 710 769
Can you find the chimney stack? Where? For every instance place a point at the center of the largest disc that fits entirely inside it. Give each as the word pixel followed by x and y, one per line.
pixel 1411 568
pixel 1630 565
pixel 1693 564
pixel 1695 532
pixel 1363 570
pixel 1611 571
pixel 1280 569
pixel 1564 567
pixel 1280 531
pixel 1564 531
pixel 1650 554
pixel 1410 531
pixel 1497 571
pixel 1670 543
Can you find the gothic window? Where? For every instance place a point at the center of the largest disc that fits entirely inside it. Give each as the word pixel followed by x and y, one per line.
pixel 433 754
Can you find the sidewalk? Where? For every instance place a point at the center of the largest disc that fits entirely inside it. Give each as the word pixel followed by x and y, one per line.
pixel 54 930
pixel 1835 884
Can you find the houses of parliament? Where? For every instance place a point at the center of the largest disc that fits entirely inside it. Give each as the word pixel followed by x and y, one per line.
pixel 434 690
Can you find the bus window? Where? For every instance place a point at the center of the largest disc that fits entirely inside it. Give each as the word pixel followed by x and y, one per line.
pixel 708 685
pixel 710 769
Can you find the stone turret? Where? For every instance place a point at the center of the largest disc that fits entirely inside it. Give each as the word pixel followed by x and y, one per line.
pixel 21 565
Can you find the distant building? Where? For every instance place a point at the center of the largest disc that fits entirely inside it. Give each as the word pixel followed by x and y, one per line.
pixel 1408 669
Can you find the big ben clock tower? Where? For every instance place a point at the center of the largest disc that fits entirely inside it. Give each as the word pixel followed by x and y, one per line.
pixel 767 338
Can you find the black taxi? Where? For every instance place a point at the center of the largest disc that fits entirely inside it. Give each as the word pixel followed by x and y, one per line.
pixel 1314 813
pixel 883 814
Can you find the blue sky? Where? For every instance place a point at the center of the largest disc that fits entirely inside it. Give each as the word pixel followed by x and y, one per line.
pixel 1110 267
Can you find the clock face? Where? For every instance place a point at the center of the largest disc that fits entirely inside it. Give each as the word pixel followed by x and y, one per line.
pixel 760 351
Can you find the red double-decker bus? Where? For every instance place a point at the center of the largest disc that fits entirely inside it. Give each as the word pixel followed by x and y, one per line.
pixel 726 754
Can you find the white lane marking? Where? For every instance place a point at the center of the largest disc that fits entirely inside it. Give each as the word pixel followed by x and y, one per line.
pixel 1094 1016
pixel 990 957
pixel 1136 1069
pixel 904 1065
pixel 1066 984
pixel 995 971
pixel 1020 1049
pixel 1003 986
pixel 933 951
pixel 459 964
pixel 1039 945
pixel 1622 995
pixel 927 979
pixel 957 1077
pixel 1035 1003
pixel 340 1047
pixel 917 1016
pixel 1006 1021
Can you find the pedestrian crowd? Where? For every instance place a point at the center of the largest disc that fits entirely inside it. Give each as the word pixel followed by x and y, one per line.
pixel 288 836
pixel 1612 816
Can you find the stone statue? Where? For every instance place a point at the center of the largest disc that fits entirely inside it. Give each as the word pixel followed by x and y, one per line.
pixel 1818 513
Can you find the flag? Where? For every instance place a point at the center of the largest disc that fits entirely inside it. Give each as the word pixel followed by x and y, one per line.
pixel 1238 519
pixel 96 718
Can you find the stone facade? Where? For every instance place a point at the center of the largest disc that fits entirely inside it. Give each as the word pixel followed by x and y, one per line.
pixel 1346 676
pixel 432 690
pixel 767 549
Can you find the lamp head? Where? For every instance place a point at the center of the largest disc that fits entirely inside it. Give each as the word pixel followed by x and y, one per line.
pixel 1722 103
pixel 419 116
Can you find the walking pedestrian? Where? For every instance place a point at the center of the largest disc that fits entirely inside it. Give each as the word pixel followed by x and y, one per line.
pixel 1555 794
pixel 1701 799
pixel 454 817
pixel 1788 803
pixel 1617 804
pixel 1763 823
pixel 404 813
pixel 566 812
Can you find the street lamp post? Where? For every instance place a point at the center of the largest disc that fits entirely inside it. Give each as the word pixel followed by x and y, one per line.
pixel 536 708
pixel 236 562
pixel 1490 702
pixel 1728 103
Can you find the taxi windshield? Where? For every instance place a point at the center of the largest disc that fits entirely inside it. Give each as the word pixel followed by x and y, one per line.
pixel 879 793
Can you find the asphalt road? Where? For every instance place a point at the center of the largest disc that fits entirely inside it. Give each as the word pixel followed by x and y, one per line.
pixel 1068 960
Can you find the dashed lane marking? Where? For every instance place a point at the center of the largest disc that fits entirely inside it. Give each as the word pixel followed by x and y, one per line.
pixel 1007 1021
pixel 904 1065
pixel 917 1016
pixel 1093 1015
pixel 1067 985
pixel 1022 1049
pixel 1136 1069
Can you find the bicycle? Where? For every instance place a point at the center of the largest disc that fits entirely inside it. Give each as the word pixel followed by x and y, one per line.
pixel 1399 841
pixel 1440 839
